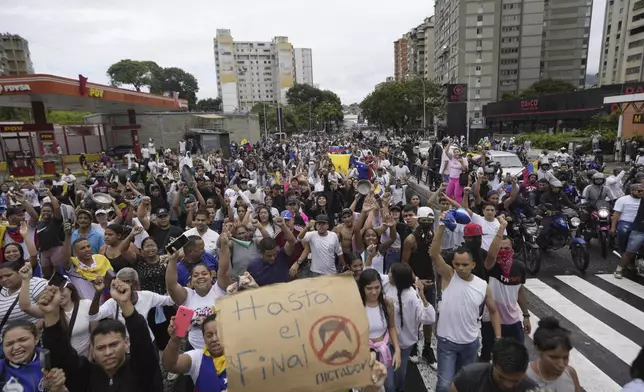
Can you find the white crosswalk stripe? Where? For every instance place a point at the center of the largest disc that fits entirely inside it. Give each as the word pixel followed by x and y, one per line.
pixel 605 316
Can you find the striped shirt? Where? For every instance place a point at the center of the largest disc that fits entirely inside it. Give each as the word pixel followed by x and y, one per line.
pixel 36 287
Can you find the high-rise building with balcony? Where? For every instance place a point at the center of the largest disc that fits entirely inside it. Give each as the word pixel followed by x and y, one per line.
pixel 251 72
pixel 303 66
pixel 17 55
pixel 622 44
pixel 400 58
pixel 501 47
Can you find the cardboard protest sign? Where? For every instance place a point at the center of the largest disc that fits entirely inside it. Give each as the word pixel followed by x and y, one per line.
pixel 309 334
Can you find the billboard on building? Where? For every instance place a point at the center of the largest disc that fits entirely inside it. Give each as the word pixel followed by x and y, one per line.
pixel 226 60
pixel 286 71
pixel 456 92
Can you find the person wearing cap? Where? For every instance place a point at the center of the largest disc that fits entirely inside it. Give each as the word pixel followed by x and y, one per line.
pixel 415 249
pixel 458 328
pixel 345 230
pixel 10 232
pixel 161 229
pixel 323 245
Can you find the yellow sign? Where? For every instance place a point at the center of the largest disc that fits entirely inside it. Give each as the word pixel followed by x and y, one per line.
pixel 638 118
pixel 341 162
pixel 315 336
pixel 95 93
pixel 285 61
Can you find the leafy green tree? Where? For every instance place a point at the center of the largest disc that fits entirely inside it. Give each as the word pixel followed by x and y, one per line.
pixel 547 86
pixel 15 114
pixel 509 97
pixel 175 79
pixel 65 117
pixel 209 105
pixel 130 72
pixel 399 105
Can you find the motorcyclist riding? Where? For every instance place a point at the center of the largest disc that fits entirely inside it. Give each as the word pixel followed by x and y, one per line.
pixel 552 200
pixel 544 171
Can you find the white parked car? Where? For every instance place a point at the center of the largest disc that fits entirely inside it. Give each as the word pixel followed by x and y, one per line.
pixel 510 162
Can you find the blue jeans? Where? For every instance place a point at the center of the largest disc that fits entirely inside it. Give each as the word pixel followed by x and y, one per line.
pixel 514 331
pixel 392 257
pixel 451 358
pixel 401 373
pixel 623 232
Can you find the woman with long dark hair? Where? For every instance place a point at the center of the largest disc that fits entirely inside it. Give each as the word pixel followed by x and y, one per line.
pixel 383 337
pixel 411 309
pixel 551 369
pixel 114 236
pixel 76 310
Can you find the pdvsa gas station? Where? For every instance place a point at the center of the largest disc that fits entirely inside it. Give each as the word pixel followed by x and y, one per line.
pixel 48 92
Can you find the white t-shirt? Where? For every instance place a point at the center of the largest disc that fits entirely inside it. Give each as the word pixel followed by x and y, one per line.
pixel 398 194
pixel 182 146
pixel 129 158
pixel 203 307
pixel 323 251
pixel 31 196
pixel 209 238
pixel 146 302
pixel 401 171
pixel 489 230
pixel 80 334
pixel 145 153
pixel 196 356
pixel 628 206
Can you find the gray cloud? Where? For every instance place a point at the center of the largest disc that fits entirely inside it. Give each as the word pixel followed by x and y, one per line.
pixel 352 41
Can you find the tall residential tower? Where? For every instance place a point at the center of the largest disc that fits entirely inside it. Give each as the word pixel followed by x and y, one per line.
pixel 251 72
pixel 15 57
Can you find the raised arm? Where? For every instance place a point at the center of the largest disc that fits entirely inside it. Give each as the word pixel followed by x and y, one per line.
pixel 24 298
pixel 178 293
pixel 223 275
pixel 443 269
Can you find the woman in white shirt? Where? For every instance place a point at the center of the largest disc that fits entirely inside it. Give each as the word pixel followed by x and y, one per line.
pixel 411 309
pixel 265 219
pixel 202 295
pixel 76 310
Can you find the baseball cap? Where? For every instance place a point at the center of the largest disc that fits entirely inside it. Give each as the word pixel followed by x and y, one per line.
pixel 322 218
pixel 347 211
pixel 99 212
pixel 472 230
pixel 162 212
pixel 395 207
pixel 425 212
pixel 292 200
pixel 286 215
pixel 15 211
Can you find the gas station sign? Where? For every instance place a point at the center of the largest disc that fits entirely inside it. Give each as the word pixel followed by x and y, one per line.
pixel 46 136
pixel 95 93
pixel 14 88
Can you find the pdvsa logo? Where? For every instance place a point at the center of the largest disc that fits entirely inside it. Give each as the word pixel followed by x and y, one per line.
pixel 15 88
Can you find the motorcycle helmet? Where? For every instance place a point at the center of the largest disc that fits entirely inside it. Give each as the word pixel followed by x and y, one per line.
pixel 578 150
pixel 590 173
pixel 544 164
pixel 563 149
pixel 556 184
pixel 599 179
pixel 555 165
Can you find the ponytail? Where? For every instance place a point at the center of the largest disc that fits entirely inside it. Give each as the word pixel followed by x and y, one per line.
pixel 400 308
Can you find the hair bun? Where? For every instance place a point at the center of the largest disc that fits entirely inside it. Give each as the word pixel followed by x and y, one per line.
pixel 549 322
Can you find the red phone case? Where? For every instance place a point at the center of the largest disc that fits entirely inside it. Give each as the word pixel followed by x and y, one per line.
pixel 182 321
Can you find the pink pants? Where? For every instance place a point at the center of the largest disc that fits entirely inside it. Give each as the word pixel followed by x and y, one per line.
pixel 454 190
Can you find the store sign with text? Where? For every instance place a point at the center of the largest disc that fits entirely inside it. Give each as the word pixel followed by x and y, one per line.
pixel 14 88
pixel 95 93
pixel 529 105
pixel 638 118
pixel 46 136
pixel 456 92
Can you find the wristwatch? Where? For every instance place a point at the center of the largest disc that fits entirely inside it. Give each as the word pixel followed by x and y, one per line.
pixel 525 316
pixel 299 262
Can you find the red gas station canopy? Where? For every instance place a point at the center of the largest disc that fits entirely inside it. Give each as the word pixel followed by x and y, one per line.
pixel 58 93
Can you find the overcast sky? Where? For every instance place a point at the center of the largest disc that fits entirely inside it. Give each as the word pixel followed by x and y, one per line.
pixel 352 41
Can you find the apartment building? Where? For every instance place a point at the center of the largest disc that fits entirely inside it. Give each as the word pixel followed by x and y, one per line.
pixel 401 67
pixel 17 57
pixel 622 42
pixel 501 47
pixel 303 66
pixel 251 72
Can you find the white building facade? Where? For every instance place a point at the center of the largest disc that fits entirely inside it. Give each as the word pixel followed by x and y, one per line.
pixel 304 66
pixel 252 72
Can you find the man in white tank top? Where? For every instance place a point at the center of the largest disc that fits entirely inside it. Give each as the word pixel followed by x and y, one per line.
pixel 458 324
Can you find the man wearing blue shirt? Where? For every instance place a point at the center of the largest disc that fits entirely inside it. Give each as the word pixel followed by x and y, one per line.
pixel 274 263
pixel 194 253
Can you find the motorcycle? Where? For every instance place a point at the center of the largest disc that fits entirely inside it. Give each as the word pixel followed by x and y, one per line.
pixel 563 232
pixel 597 225
pixel 524 242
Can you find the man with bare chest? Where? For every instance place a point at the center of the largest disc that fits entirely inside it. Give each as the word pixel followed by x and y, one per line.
pixel 345 230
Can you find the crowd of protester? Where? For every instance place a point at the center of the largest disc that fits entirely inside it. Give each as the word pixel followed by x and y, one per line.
pixel 89 279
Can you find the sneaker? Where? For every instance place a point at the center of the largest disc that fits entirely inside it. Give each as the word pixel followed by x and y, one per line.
pixel 428 354
pixel 413 356
pixel 619 273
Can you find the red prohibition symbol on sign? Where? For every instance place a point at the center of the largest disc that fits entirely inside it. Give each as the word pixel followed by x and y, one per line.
pixel 458 90
pixel 326 331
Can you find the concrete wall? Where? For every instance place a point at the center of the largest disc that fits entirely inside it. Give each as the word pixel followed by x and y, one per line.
pixel 168 128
